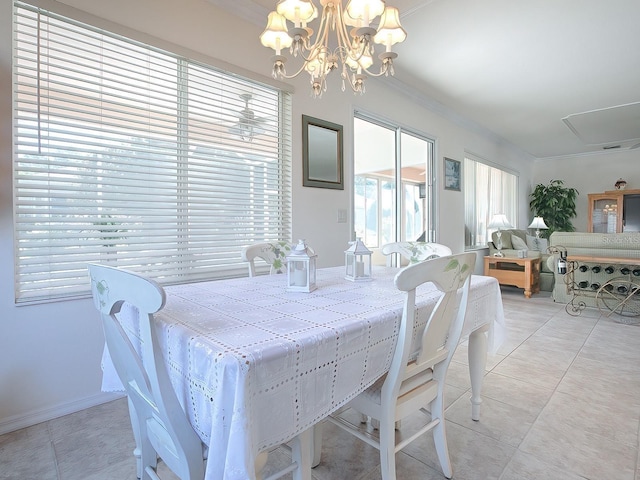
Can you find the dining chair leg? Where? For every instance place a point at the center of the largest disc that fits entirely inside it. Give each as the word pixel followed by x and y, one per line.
pixel 259 463
pixel 440 436
pixel 148 458
pixel 136 437
pixel 301 449
pixel 144 452
pixel 387 449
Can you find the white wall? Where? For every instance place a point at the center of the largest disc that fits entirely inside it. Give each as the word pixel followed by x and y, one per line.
pixel 50 353
pixel 595 173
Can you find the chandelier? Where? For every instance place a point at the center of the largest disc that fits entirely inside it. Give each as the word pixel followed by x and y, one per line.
pixel 351 50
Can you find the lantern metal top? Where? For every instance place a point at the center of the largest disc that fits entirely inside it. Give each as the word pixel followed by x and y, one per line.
pixel 358 248
pixel 301 249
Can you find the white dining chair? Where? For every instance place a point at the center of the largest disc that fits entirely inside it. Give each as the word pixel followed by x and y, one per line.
pixel 415 252
pixel 160 425
pixel 416 379
pixel 274 253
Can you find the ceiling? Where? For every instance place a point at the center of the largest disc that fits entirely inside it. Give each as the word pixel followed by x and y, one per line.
pixel 552 77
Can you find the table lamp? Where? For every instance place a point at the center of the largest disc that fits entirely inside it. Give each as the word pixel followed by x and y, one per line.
pixel 499 221
pixel 538 224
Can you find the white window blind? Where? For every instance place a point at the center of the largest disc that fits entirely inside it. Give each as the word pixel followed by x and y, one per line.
pixel 132 156
pixel 488 191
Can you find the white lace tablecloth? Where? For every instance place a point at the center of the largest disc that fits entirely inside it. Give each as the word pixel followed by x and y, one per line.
pixel 254 365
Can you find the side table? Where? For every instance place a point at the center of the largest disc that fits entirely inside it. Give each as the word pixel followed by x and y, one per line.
pixel 518 272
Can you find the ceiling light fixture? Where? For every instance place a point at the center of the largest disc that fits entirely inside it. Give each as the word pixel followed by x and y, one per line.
pixel 352 50
pixel 248 125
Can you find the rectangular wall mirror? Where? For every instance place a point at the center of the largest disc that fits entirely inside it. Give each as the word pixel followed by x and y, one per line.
pixel 321 154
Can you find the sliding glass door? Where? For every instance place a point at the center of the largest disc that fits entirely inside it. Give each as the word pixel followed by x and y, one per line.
pixel 393 179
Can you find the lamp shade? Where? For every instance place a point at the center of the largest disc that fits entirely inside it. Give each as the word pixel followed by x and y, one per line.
pixel 499 221
pixel 364 61
pixel 538 223
pixel 318 64
pixel 297 11
pixel 390 31
pixel 275 35
pixel 365 10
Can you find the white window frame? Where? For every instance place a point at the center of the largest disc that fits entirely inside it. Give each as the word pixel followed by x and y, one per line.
pixel 489 189
pixel 148 168
pixel 399 226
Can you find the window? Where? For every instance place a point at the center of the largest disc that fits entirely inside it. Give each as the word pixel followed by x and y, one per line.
pixel 488 190
pixel 132 156
pixel 389 159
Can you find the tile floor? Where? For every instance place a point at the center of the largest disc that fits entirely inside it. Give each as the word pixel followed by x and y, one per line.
pixel 561 401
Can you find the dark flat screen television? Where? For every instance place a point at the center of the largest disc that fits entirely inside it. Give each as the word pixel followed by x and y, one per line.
pixel 631 213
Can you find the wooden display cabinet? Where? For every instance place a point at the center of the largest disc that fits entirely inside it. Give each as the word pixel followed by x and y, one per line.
pixel 606 211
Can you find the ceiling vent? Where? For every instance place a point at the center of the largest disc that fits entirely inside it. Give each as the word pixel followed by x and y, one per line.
pixel 613 126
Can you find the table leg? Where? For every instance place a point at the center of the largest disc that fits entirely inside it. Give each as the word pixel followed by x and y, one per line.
pixel 527 279
pixel 302 449
pixel 317 443
pixel 477 363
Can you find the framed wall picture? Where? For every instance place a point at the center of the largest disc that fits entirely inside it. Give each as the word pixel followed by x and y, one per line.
pixel 321 154
pixel 452 174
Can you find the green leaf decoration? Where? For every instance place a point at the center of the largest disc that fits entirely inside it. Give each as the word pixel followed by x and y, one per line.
pixel 451 265
pixel 101 287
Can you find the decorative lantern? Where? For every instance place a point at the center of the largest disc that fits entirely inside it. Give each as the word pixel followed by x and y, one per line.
pixel 357 259
pixel 301 269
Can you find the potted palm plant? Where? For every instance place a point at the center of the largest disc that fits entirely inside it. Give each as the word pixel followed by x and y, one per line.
pixel 556 204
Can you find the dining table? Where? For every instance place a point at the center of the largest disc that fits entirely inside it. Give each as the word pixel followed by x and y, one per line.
pixel 254 364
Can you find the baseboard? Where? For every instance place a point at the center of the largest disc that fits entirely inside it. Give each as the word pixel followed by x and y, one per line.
pixel 34 417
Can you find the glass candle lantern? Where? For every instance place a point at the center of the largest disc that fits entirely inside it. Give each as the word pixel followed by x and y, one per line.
pixel 301 269
pixel 357 260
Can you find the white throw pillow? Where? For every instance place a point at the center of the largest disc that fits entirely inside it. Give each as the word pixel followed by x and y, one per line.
pixel 518 243
pixel 538 244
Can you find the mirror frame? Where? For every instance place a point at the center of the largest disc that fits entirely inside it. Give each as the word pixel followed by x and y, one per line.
pixel 311 156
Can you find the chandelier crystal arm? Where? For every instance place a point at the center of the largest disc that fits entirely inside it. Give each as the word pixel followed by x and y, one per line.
pixel 323 33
